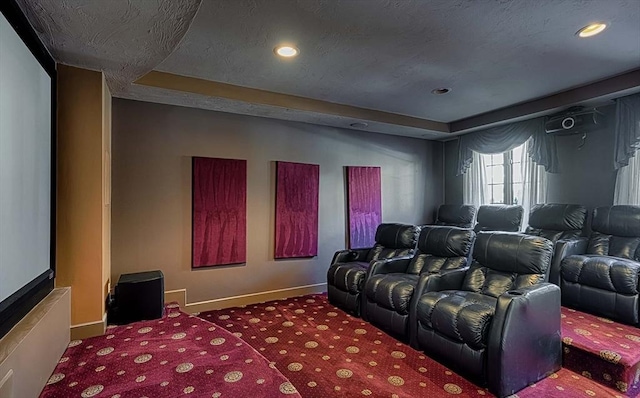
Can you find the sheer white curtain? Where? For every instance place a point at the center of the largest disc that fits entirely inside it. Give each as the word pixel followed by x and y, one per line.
pixel 531 191
pixel 628 183
pixel 534 183
pixel 475 190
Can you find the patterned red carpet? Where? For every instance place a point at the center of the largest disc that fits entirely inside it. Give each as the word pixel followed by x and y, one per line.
pixel 604 350
pixel 179 355
pixel 327 353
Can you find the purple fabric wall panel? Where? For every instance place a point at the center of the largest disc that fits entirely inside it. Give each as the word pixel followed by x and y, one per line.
pixel 365 205
pixel 219 212
pixel 297 188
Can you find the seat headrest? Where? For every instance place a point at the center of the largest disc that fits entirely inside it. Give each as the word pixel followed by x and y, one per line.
pixel 557 217
pixel 397 236
pixel 443 241
pixel 499 218
pixel 621 220
pixel 513 252
pixel 456 215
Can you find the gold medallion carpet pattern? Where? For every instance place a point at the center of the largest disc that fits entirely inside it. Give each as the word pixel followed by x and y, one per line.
pixel 326 352
pixel 177 356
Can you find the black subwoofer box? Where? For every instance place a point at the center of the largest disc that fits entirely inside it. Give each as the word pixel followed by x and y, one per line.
pixel 137 297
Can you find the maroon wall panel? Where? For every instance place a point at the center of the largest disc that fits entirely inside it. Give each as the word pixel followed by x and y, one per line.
pixel 219 211
pixel 365 205
pixel 297 187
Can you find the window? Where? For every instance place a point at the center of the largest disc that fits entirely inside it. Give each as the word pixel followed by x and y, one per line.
pixel 504 183
pixel 505 178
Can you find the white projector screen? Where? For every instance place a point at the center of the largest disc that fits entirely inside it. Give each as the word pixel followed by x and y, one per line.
pixel 25 164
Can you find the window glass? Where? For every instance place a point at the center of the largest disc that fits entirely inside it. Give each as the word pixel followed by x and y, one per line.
pixel 503 177
pixel 517 153
pixel 495 174
pixel 496 159
pixel 516 173
pixel 517 193
pixel 497 193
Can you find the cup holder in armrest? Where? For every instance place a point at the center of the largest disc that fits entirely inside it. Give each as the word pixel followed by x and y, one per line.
pixel 515 293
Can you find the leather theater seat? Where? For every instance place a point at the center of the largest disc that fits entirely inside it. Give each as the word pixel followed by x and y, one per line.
pixel 562 224
pixel 461 216
pixel 499 218
pixel 604 280
pixel 346 275
pixel 497 321
pixel 390 285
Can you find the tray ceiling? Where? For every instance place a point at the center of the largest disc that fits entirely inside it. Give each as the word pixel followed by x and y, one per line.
pixel 374 55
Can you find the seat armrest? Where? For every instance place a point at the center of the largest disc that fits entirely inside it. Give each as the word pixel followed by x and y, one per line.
pixel 392 265
pixel 526 325
pixel 563 249
pixel 345 256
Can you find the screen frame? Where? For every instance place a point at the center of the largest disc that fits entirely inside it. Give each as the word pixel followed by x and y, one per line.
pixel 16 306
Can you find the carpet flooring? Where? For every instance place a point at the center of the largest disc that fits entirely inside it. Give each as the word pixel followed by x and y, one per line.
pixel 607 351
pixel 177 356
pixel 325 352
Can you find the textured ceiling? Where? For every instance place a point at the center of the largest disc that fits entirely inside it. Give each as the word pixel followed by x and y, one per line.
pixel 125 39
pixel 375 54
pixel 389 55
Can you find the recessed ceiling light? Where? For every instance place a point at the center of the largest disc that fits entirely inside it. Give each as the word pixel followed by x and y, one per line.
pixel 359 125
pixel 286 51
pixel 591 29
pixel 440 91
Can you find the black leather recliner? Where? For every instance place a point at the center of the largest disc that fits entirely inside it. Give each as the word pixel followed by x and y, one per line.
pixel 604 281
pixel 499 218
pixel 346 275
pixel 390 285
pixel 562 224
pixel 496 321
pixel 461 216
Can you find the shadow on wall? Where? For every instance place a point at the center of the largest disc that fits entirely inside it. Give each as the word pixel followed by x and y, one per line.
pixel 587 175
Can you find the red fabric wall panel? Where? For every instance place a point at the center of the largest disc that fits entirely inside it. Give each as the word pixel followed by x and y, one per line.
pixel 365 205
pixel 219 211
pixel 297 188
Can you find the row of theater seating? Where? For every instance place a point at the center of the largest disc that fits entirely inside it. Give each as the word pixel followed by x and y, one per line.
pixel 481 301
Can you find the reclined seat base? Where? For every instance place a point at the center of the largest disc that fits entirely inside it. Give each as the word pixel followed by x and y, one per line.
pixel 602 285
pixel 456 321
pixel 344 285
pixel 388 301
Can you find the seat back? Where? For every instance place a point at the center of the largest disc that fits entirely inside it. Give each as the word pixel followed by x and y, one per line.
pixel 556 221
pixel 394 240
pixel 616 232
pixel 441 248
pixel 456 215
pixel 507 261
pixel 499 218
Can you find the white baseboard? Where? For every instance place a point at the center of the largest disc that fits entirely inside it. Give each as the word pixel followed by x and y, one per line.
pixel 245 299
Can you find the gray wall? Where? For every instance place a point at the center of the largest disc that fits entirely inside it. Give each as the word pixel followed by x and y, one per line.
pixel 151 200
pixel 586 174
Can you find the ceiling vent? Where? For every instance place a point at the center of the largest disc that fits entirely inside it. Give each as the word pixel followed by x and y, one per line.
pixel 574 120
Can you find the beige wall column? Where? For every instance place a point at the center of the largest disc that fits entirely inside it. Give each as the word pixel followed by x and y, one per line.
pixel 83 197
